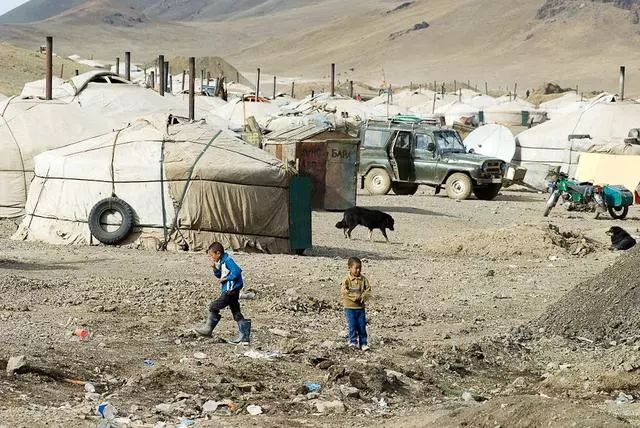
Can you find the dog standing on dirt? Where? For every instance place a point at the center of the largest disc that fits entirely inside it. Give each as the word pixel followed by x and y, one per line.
pixel 620 239
pixel 371 219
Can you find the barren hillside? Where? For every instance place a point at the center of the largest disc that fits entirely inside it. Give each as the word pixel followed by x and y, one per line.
pixel 502 42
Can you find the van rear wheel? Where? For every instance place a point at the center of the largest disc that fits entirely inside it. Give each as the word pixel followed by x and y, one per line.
pixel 377 182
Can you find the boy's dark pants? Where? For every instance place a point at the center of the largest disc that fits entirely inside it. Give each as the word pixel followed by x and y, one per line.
pixel 357 322
pixel 229 299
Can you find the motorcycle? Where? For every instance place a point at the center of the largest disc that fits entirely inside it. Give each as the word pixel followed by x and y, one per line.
pixel 577 196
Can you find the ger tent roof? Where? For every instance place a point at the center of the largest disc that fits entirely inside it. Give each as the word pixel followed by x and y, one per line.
pixel 235 113
pixel 187 182
pixel 86 106
pixel 606 121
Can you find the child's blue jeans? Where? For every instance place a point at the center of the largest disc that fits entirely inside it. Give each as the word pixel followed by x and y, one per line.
pixel 357 323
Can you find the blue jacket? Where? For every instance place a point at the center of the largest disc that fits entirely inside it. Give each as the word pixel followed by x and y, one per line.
pixel 227 267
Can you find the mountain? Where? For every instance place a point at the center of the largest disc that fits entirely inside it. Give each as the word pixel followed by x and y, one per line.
pixel 502 42
pixel 147 10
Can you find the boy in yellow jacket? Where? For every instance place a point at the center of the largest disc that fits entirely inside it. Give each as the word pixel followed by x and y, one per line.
pixel 355 291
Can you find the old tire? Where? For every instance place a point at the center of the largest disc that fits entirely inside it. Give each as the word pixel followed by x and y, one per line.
pixel 487 193
pixel 459 186
pixel 104 232
pixel 404 188
pixel 619 213
pixel 377 182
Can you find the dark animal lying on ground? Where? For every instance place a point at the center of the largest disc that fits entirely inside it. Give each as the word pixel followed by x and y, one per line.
pixel 371 219
pixel 620 239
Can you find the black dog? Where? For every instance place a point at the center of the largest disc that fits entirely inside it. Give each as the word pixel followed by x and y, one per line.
pixel 371 219
pixel 620 239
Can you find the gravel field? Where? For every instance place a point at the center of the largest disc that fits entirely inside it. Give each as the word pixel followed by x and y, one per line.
pixel 453 294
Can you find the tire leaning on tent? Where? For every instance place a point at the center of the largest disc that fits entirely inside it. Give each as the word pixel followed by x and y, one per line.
pixel 97 228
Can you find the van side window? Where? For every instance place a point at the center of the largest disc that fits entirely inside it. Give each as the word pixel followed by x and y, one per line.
pixel 422 142
pixel 376 139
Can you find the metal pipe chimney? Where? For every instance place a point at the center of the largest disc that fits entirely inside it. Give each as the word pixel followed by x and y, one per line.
pixel 127 65
pixel 49 83
pixel 333 80
pixel 192 88
pixel 622 77
pixel 258 86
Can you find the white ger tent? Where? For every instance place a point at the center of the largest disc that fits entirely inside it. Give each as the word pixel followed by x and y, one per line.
pixel 236 112
pixel 600 127
pixel 88 105
pixel 514 112
pixel 456 110
pixel 184 183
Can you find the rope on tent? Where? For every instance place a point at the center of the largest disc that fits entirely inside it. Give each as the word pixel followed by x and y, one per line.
pixel 186 186
pixel 35 208
pixel 113 158
pixel 24 175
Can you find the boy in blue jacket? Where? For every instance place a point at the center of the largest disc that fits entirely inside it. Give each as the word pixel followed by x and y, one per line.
pixel 230 278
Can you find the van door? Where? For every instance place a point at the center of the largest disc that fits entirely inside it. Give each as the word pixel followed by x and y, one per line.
pixel 425 161
pixel 400 156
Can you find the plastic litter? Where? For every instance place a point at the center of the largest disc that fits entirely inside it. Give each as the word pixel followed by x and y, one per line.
pixel 264 355
pixel 254 410
pixel 89 387
pixel 148 362
pixel 184 423
pixel 82 333
pixel 107 414
pixel 312 387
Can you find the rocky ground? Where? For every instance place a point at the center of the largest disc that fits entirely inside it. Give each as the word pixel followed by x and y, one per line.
pixel 452 343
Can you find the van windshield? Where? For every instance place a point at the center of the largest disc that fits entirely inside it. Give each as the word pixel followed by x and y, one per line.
pixel 449 141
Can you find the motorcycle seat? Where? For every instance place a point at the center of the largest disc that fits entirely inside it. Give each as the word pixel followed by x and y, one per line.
pixel 583 189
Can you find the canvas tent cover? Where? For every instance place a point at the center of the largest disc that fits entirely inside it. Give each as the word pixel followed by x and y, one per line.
pixel 82 108
pixel 186 183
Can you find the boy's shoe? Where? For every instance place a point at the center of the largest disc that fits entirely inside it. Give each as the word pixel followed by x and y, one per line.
pixel 244 333
pixel 365 348
pixel 207 329
pixel 353 346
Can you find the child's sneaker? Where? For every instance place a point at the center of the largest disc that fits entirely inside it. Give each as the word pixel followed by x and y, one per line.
pixel 353 346
pixel 365 348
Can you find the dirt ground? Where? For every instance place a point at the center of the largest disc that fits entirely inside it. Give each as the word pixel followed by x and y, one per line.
pixel 454 292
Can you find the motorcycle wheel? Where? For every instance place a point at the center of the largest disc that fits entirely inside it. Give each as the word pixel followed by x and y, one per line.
pixel 551 202
pixel 619 213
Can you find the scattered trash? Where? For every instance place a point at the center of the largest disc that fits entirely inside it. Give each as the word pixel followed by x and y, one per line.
pixel 89 387
pixel 312 387
pixel 200 356
pixel 210 406
pixel 382 404
pixel 624 398
pixel 82 333
pixel 107 414
pixel 15 363
pixel 254 410
pixel 247 295
pixel 262 355
pixel 184 423
pixel 149 363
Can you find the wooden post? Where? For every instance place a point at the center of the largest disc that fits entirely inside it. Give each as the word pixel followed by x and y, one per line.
pixel 468 84
pixel 443 89
pixel 192 88
pixel 515 90
pixel 455 86
pixel 77 72
pixel 274 87
pixel 293 89
pixel 486 88
pixel 460 95
pixel 577 90
pixel 208 78
pixel 127 65
pixel 184 76
pixel 433 108
pixel 161 85
pixel 153 80
pixel 201 79
pixel 61 70
pixel 351 88
pixel 622 77
pixel 49 83
pixel 333 80
pixel 313 93
pixel 258 86
pixel 237 76
pixel 118 65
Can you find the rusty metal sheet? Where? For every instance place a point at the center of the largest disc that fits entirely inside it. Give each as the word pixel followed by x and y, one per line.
pixel 312 159
pixel 341 175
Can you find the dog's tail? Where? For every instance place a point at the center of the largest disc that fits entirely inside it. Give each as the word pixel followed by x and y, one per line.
pixel 341 225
